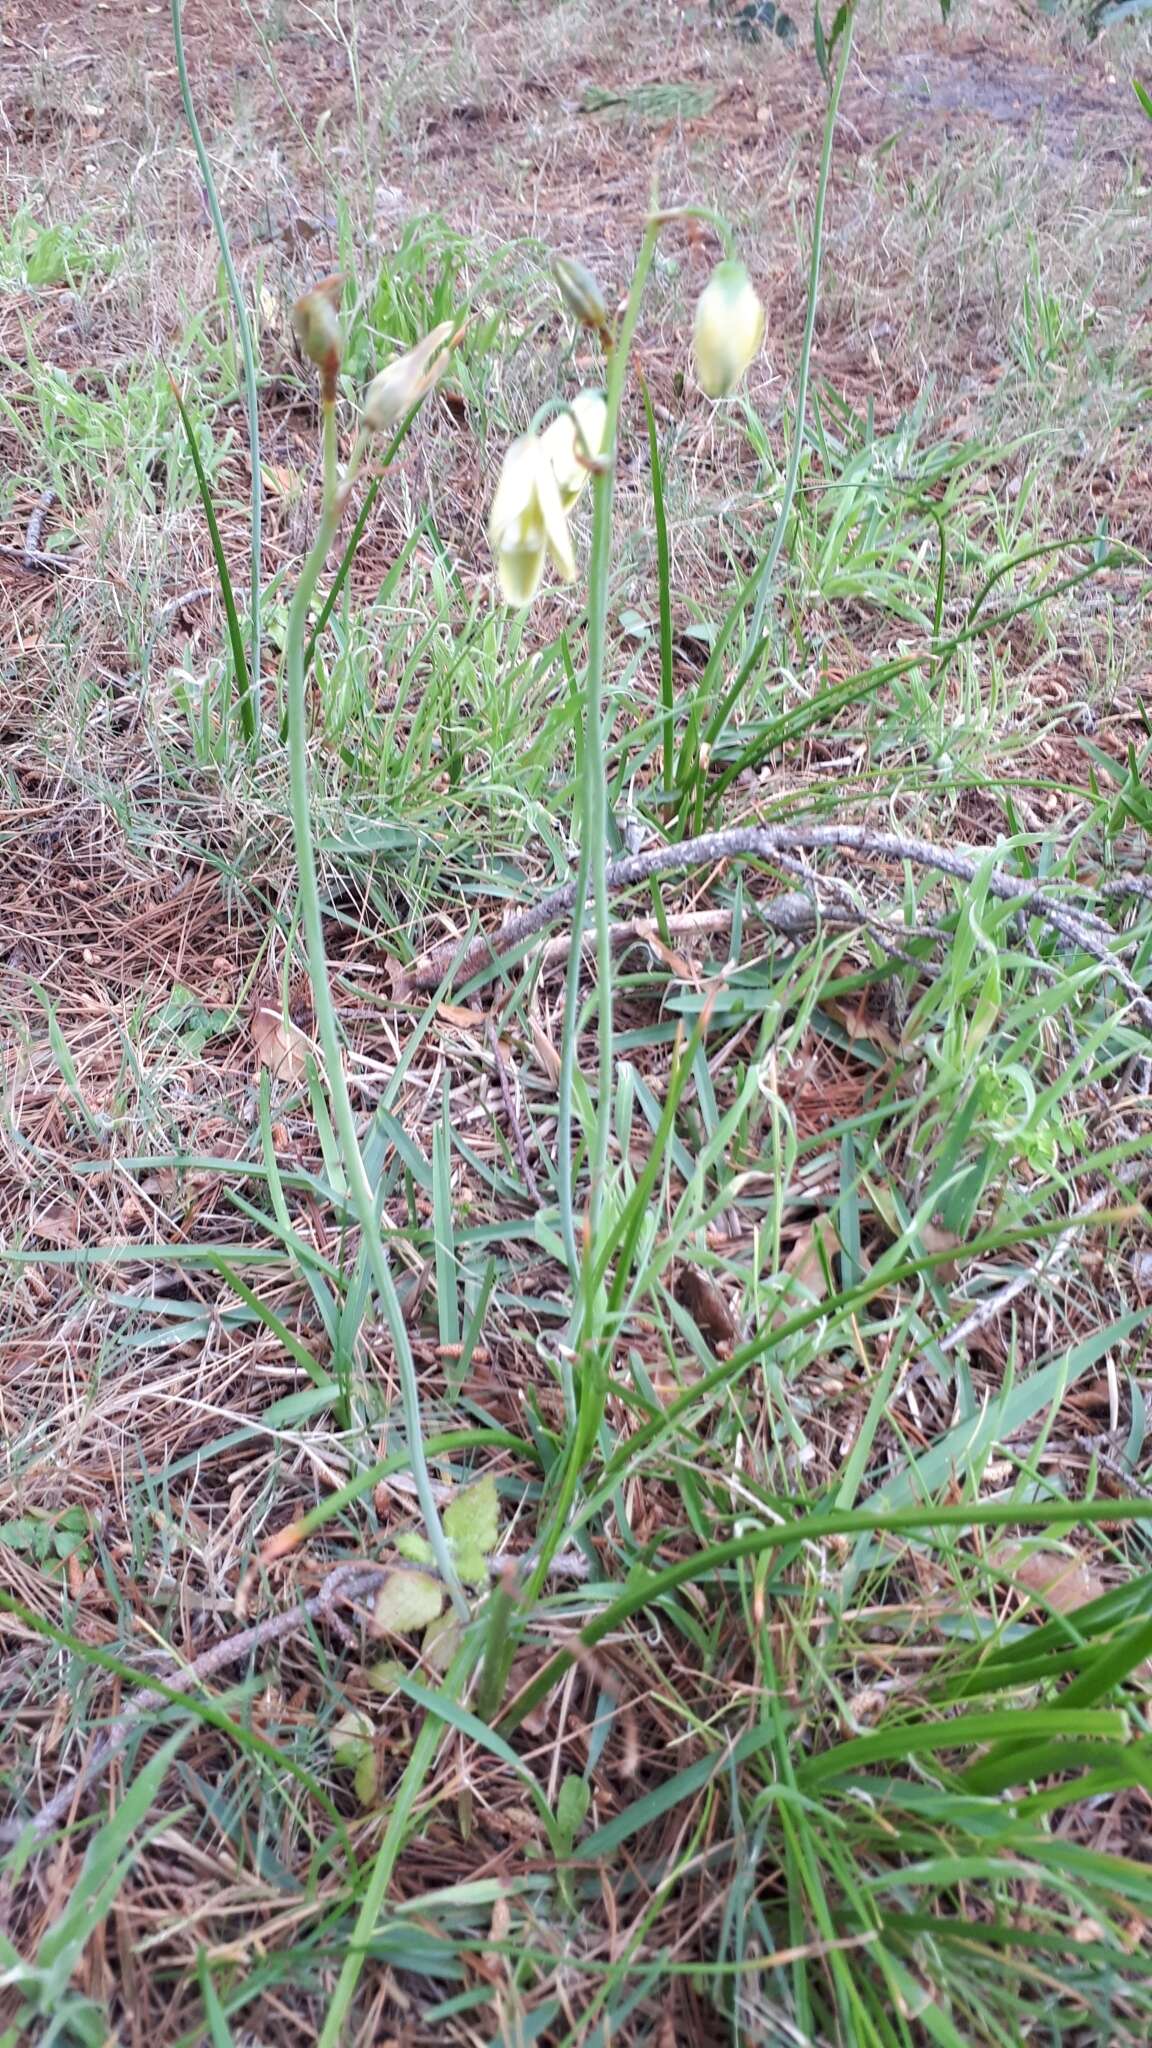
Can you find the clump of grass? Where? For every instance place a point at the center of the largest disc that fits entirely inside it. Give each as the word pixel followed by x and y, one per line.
pixel 768 1264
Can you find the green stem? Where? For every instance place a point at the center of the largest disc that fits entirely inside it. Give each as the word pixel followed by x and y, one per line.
pixel 595 792
pixel 764 584
pixel 594 802
pixel 359 1187
pixel 244 331
pixel 346 561
pixel 664 581
pixel 651 1588
pixel 667 216
pixel 404 1798
pixel 331 456
pixel 362 518
pixel 593 866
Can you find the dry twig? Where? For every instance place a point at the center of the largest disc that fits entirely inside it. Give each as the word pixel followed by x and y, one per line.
pixel 32 557
pixel 461 960
pixel 347 1582
pixel 993 1305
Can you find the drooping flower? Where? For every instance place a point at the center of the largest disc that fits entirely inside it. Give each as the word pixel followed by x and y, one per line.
pixel 728 329
pixel 573 441
pixel 396 389
pixel 527 521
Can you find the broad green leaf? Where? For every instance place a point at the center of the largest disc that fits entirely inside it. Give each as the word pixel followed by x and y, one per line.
pixel 364 1779
pixel 352 1737
pixel 406 1600
pixel 385 1674
pixel 440 1642
pixel 572 1806
pixel 472 1522
pixel 472 1566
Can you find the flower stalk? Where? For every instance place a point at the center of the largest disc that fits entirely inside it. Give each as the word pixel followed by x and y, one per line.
pixel 360 1190
pixel 589 1379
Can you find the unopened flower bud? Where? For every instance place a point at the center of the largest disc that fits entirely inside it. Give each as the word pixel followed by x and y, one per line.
pixel 728 330
pixel 573 441
pixel 316 320
pixel 580 292
pixel 392 394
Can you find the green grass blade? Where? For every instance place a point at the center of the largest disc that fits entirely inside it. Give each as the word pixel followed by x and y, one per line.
pixel 664 590
pixel 432 1732
pixel 924 1738
pixel 447 1274
pixel 241 679
pixel 220 2033
pixel 815 265
pixel 107 1861
pixel 250 695
pixel 649 1588
pixel 201 1708
pixel 271 1321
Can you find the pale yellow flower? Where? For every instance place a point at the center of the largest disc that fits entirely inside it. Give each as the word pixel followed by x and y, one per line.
pixel 728 330
pixel 527 522
pixel 573 441
pixel 393 393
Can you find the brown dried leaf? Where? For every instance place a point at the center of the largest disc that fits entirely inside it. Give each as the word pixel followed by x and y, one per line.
pixel 861 1022
pixel 1050 1577
pixel 934 1239
pixel 58 1224
pixel 281 1046
pixel 464 1020
pixel 281 481
pixel 676 963
pixel 813 1250
pixel 706 1306
pixel 545 1051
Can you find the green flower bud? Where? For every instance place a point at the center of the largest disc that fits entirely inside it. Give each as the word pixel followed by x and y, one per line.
pixel 580 292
